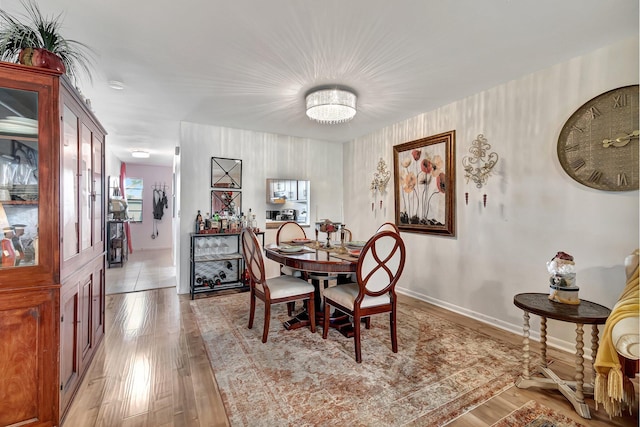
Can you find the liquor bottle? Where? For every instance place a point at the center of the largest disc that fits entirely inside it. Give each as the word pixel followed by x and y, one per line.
pixel 198 221
pixel 224 222
pixel 254 223
pixel 215 222
pixel 207 221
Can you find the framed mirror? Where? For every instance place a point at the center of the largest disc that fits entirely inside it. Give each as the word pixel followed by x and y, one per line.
pixel 226 201
pixel 226 173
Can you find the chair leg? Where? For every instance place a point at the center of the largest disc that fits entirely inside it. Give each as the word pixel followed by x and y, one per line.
pixel 367 322
pixel 267 317
pixel 356 337
pixel 252 308
pixel 394 333
pixel 291 306
pixel 325 324
pixel 312 313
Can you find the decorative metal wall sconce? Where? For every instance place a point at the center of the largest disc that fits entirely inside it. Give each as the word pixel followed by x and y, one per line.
pixel 379 182
pixel 478 165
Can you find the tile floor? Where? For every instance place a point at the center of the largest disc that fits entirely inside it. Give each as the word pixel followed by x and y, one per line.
pixel 145 269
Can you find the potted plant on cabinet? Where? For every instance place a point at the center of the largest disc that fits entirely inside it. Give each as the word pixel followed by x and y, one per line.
pixel 35 39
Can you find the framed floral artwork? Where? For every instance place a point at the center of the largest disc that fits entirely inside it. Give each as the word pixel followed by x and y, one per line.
pixel 425 185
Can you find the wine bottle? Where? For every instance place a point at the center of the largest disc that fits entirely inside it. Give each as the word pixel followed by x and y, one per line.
pixel 229 265
pixel 222 275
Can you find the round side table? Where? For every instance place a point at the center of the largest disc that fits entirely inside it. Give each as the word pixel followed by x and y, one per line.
pixel 585 313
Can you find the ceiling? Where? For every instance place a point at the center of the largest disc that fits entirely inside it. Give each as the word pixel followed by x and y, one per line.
pixel 249 63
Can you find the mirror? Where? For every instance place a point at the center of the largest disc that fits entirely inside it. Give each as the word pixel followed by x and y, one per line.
pixel 226 173
pixel 226 201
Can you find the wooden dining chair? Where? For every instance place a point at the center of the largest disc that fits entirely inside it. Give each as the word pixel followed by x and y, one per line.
pixel 379 267
pixel 287 232
pixel 388 226
pixel 280 289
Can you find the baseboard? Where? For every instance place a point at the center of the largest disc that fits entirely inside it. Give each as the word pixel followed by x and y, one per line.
pixel 569 347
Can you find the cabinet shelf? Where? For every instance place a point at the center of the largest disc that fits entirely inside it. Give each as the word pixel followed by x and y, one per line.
pixel 220 257
pixel 19 137
pixel 19 202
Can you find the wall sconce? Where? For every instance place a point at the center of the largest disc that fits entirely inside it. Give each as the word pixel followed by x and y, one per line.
pixel 380 181
pixel 478 165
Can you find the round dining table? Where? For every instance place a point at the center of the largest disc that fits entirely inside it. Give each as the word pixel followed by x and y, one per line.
pixel 320 263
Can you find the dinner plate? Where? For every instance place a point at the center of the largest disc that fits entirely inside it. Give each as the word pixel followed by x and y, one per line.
pixel 290 249
pixel 24 120
pixel 355 252
pixel 356 243
pixel 301 241
pixel 21 129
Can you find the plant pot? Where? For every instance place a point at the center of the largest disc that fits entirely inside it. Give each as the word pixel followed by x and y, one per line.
pixel 39 57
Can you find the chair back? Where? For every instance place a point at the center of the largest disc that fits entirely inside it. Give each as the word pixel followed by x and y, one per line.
pixel 347 235
pixel 380 265
pixel 252 254
pixel 288 231
pixel 388 226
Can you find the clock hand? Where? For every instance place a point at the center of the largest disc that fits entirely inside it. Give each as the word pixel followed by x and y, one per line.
pixel 620 141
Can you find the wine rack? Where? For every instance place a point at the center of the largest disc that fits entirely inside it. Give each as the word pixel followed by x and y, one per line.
pixel 217 263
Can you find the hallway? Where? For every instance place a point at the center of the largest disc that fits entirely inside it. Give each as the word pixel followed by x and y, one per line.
pixel 144 270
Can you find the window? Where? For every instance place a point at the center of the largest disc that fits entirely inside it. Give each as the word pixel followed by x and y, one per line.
pixel 133 193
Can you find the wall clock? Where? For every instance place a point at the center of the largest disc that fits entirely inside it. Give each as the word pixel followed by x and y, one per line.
pixel 598 145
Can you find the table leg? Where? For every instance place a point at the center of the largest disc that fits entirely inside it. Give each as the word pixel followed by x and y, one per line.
pixel 594 351
pixel 543 341
pixel 578 399
pixel 525 348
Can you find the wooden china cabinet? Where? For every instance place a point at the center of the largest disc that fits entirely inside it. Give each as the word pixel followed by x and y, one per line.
pixel 52 219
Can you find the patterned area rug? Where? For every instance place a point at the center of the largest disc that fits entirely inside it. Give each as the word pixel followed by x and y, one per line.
pixel 533 414
pixel 441 371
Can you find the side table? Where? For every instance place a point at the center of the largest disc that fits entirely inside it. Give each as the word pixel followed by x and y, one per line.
pixel 585 313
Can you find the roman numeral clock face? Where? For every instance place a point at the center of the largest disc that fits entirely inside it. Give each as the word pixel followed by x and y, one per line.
pixel 598 145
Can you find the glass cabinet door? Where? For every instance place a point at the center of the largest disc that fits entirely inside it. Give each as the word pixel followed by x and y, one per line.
pixel 69 178
pixel 86 189
pixel 19 192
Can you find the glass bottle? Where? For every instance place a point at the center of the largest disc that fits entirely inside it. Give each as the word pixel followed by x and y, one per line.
pixel 215 222
pixel 198 221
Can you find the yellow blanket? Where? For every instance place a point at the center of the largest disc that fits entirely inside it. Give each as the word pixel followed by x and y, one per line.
pixel 612 388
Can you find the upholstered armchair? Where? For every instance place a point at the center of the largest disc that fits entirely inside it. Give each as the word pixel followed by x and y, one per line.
pixel 619 351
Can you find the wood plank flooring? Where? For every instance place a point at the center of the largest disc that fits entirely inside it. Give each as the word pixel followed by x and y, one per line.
pixel 152 370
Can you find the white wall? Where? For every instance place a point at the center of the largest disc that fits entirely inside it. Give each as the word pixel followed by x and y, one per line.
pixel 533 209
pixel 263 156
pixel 141 231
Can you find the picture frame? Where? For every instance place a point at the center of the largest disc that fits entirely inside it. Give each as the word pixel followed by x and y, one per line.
pixel 425 185
pixel 226 173
pixel 226 201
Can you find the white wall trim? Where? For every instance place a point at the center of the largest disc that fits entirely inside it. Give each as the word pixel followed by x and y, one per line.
pixel 534 335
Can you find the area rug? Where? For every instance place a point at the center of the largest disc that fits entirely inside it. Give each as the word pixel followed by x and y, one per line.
pixel 441 371
pixel 533 414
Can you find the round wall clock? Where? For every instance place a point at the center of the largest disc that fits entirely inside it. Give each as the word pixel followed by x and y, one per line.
pixel 598 145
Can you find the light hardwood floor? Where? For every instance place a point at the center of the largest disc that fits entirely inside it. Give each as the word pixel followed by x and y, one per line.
pixel 152 370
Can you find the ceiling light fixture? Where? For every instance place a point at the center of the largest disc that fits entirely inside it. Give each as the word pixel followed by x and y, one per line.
pixel 331 105
pixel 140 154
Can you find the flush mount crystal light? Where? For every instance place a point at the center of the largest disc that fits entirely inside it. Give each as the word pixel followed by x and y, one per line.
pixel 140 154
pixel 331 105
